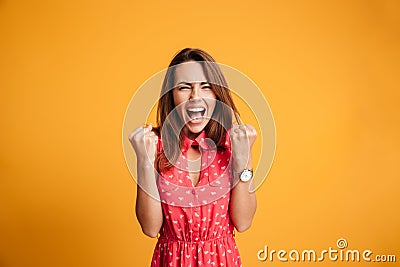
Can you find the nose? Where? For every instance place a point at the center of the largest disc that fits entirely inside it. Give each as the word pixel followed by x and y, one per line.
pixel 195 91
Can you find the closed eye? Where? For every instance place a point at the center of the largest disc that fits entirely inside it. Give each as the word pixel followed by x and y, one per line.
pixel 188 86
pixel 184 88
pixel 206 86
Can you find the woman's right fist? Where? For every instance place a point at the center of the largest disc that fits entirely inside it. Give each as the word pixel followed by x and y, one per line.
pixel 144 142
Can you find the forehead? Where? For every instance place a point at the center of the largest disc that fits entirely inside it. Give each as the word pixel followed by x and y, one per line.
pixel 189 72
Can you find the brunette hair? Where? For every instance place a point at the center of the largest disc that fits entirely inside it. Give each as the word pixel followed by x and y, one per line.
pixel 168 120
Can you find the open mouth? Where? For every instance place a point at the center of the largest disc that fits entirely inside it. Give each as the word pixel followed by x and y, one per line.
pixel 196 113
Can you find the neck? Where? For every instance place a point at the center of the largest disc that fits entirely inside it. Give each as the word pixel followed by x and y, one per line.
pixel 190 134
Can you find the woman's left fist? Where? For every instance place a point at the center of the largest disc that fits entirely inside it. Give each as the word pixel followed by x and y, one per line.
pixel 242 139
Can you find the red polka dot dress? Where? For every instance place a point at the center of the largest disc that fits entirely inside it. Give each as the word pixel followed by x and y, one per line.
pixel 197 229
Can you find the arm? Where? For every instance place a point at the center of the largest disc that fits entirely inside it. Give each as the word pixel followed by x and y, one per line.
pixel 148 208
pixel 243 203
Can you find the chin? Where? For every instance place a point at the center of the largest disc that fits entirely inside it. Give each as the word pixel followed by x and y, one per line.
pixel 196 128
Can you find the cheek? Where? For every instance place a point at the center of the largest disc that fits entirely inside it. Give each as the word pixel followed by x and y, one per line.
pixel 211 104
pixel 177 99
pixel 211 100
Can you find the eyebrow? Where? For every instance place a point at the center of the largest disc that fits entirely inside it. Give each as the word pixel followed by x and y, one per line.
pixel 188 83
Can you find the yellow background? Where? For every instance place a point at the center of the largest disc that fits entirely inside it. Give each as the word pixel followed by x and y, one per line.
pixel 68 69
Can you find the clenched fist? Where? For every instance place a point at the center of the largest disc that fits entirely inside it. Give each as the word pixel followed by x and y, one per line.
pixel 144 142
pixel 242 140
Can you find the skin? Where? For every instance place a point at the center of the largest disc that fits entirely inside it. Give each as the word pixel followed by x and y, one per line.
pixel 192 90
pixel 148 209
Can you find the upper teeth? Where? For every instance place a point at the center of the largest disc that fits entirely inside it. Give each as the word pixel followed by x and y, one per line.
pixel 195 109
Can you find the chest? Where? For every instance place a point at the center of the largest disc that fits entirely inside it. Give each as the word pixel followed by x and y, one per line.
pixel 196 178
pixel 194 162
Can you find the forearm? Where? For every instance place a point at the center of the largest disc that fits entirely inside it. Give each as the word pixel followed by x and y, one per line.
pixel 148 207
pixel 243 203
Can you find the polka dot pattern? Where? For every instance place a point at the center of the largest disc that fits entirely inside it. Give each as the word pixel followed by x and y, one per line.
pixel 197 229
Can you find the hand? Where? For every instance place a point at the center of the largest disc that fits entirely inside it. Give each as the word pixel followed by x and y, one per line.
pixel 242 140
pixel 144 142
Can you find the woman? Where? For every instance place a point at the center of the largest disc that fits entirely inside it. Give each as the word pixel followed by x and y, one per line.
pixel 203 168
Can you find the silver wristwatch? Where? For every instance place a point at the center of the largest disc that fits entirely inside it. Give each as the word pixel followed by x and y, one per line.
pixel 246 175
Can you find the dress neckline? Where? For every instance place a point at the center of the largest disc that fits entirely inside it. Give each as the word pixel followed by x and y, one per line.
pixel 200 140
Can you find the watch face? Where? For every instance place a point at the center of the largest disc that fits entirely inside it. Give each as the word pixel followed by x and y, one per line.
pixel 246 175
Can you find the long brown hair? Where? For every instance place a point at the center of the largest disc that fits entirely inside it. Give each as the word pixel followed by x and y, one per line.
pixel 168 120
